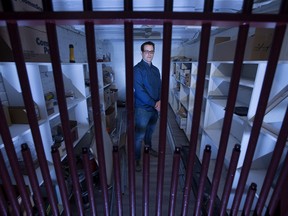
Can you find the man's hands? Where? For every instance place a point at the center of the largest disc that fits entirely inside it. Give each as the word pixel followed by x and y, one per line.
pixel 158 105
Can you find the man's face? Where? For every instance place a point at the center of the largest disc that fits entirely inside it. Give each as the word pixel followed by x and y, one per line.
pixel 148 53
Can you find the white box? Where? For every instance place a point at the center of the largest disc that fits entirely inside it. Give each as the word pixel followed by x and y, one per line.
pixel 182 122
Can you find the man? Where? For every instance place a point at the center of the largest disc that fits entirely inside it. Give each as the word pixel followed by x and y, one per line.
pixel 147 91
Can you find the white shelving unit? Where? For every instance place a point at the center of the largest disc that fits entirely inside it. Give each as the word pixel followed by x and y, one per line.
pixel 217 83
pixel 182 93
pixel 41 82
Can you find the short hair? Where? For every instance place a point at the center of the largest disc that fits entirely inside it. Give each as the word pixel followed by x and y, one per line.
pixel 147 43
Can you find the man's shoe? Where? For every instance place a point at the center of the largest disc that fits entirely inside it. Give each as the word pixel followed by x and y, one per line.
pixel 153 153
pixel 138 167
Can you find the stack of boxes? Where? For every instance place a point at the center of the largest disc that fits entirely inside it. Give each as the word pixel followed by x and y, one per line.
pixel 185 74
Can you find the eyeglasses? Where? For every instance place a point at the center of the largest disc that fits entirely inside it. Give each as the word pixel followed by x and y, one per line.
pixel 146 52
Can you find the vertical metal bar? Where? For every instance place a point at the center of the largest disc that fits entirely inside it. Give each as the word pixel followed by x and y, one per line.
pixel 284 197
pixel 202 180
pixel 283 7
pixel 266 88
pixel 32 178
pixel 128 5
pixel 130 113
pixel 230 104
pixel 277 153
pixel 247 6
pixel 47 5
pixel 208 6
pixel 87 5
pixel 117 180
pixel 200 83
pixel 33 122
pixel 60 91
pixel 166 53
pixel 276 196
pixel 7 186
pixel 249 199
pixel 60 179
pixel 94 80
pixel 3 204
pixel 88 178
pixel 174 181
pixel 168 5
pixel 146 177
pixel 229 179
pixel 7 6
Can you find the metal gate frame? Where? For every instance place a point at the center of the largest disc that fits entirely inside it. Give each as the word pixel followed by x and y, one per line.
pixel 128 18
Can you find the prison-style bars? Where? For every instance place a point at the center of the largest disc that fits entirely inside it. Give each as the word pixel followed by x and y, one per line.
pixel 128 18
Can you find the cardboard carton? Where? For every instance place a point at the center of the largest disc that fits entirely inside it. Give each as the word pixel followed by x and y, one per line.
pixel 18 114
pixel 34 44
pixel 257 48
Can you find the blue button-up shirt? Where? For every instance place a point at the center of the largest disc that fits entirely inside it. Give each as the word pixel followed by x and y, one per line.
pixel 147 85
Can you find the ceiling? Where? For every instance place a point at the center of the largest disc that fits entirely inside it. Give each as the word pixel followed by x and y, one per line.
pixel 154 31
pixel 152 5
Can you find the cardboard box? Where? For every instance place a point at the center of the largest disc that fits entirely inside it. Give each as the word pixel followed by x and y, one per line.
pixel 34 44
pixel 18 114
pixel 7 115
pixel 110 119
pixel 185 66
pixel 257 48
pixel 113 95
pixel 107 98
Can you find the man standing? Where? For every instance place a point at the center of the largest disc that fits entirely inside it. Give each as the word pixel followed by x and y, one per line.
pixel 147 92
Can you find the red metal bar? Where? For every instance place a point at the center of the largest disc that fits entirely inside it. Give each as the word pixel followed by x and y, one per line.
pixel 130 113
pixel 166 53
pixel 174 181
pixel 231 100
pixel 284 197
pixel 249 199
pixel 208 6
pixel 277 153
pixel 117 180
pixel 168 5
pixel 146 177
pixel 60 91
pixel 32 178
pixel 144 17
pixel 266 88
pixel 128 5
pixel 88 179
pixel 7 186
pixel 47 5
pixel 247 6
pixel 3 204
pixel 229 179
pixel 276 200
pixel 33 122
pixel 283 7
pixel 60 179
pixel 87 5
pixel 200 83
pixel 94 80
pixel 202 180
